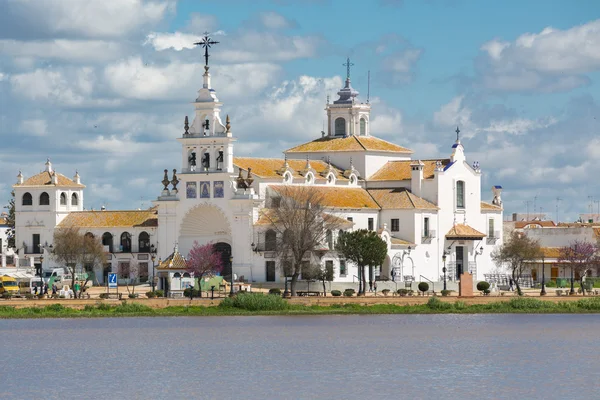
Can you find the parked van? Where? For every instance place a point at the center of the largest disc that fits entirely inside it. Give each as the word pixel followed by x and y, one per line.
pixel 8 284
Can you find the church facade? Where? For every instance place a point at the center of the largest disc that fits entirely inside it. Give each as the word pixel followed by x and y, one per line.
pixel 429 211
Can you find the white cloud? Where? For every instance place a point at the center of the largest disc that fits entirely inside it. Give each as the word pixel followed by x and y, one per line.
pixel 453 114
pixel 273 20
pixel 518 126
pixel 87 51
pixel 176 40
pixel 34 127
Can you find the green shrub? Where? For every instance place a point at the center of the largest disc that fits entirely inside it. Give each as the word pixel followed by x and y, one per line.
pixel 336 293
pixel 6 295
pixel 103 306
pixel 62 296
pixel 385 292
pixel 486 292
pixel 133 295
pixel 194 292
pixel 255 302
pixel 592 304
pixel 55 307
pixel 403 292
pixel 349 292
pixel 446 292
pixel 102 295
pixel 126 307
pixel 275 290
pixel 89 308
pixel 150 294
pixel 435 303
pixel 159 293
pixel 460 305
pixel 29 296
pixel 550 284
pixel 526 303
pixel 483 286
pixel 423 286
pixel 41 296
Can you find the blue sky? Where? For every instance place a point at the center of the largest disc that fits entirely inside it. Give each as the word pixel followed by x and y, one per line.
pixel 103 86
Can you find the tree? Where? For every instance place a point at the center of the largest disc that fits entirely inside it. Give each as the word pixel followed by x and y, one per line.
pixel 10 221
pixel 324 273
pixel 298 216
pixel 582 256
pixel 364 248
pixel 75 249
pixel 517 253
pixel 204 261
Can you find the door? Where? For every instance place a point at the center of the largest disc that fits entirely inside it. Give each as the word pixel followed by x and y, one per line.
pixel 553 273
pixel 534 275
pixel 225 250
pixel 460 261
pixel 270 271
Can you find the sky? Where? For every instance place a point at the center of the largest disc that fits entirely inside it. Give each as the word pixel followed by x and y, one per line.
pixel 103 87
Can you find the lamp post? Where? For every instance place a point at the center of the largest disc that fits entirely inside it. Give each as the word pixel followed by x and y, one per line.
pixel 153 267
pixel 231 287
pixel 444 268
pixel 41 273
pixel 543 292
pixel 574 253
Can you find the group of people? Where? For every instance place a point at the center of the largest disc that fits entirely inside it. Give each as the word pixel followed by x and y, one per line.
pixel 76 292
pixel 373 286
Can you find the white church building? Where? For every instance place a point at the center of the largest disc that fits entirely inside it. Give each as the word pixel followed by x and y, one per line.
pixel 423 209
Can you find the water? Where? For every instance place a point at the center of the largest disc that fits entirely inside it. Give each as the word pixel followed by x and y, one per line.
pixel 313 357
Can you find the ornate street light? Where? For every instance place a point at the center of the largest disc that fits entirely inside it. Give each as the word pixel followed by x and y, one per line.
pixel 444 268
pixel 231 287
pixel 543 292
pixel 153 267
pixel 574 254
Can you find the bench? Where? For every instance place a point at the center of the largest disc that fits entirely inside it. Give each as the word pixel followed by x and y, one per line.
pixel 307 293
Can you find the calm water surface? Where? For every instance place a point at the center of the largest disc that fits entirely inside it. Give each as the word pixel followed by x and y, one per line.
pixel 316 357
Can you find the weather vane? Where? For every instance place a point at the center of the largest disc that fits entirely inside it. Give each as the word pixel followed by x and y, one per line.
pixel 348 64
pixel 206 42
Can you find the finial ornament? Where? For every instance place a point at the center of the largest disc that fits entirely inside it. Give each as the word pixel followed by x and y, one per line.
pixel 228 124
pixel 348 64
pixel 186 126
pixel 457 133
pixel 174 181
pixel 206 42
pixel 165 180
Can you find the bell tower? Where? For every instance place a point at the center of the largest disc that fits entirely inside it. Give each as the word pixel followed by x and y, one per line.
pixel 345 116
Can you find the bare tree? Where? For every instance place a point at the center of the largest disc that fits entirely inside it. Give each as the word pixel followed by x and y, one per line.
pixel 299 217
pixel 581 256
pixel 76 250
pixel 517 253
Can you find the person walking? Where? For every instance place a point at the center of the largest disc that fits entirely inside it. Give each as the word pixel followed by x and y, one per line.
pixel 370 286
pixel 45 288
pixel 76 289
pixel 510 284
pixel 375 287
pixel 54 289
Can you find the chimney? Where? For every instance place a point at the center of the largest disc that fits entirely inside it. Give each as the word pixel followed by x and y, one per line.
pixel 416 177
pixel 54 178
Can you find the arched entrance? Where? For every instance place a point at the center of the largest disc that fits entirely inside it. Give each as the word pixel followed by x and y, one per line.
pixel 225 250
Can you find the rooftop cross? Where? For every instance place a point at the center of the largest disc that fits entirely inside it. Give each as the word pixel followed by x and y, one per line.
pixel 206 42
pixel 348 64
pixel 457 132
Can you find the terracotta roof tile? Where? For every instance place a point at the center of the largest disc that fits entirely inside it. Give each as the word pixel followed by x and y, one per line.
pixel 597 232
pixel 551 252
pixel 270 167
pixel 264 219
pixel 401 242
pixel 534 224
pixel 3 221
pixel 490 206
pixel 110 219
pixel 174 261
pixel 401 171
pixel 44 178
pixel 350 143
pixel 338 197
pixel 400 198
pixel 462 231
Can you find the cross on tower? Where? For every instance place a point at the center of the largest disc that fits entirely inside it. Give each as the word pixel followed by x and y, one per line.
pixel 206 42
pixel 348 64
pixel 457 132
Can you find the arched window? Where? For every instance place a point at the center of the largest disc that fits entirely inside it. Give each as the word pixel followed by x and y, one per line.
pixel 144 242
pixel 126 242
pixel 27 199
pixel 186 275
pixel 270 240
pixel 363 127
pixel 329 236
pixel 340 127
pixel 460 194
pixel 74 199
pixel 309 178
pixel 107 240
pixel 44 199
pixel 89 235
pixel 63 199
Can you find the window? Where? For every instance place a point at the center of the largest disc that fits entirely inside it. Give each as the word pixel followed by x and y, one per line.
pixel 275 202
pixel 270 240
pixel 340 127
pixel 89 235
pixel 350 219
pixel 370 224
pixel 363 127
pixel 143 272
pixel 107 240
pixel 491 228
pixel 426 227
pixel 329 269
pixel 329 236
pixel 270 266
pixel 144 242
pixel 27 199
pixel 460 194
pixel 395 225
pixel 44 199
pixel 63 199
pixel 123 270
pixel 74 200
pixel 36 244
pixel 126 242
pixel 343 271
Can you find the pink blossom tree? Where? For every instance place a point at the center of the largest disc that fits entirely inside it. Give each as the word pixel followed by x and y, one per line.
pixel 582 256
pixel 204 261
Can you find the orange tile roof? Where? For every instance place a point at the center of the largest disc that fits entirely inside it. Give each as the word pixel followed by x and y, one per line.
pixel 536 224
pixel 400 198
pixel 350 143
pixel 174 261
pixel 462 231
pixel 551 252
pixel 597 232
pixel 335 196
pixel 490 206
pixel 264 219
pixel 44 178
pixel 3 221
pixel 401 242
pixel 401 171
pixel 111 219
pixel 269 167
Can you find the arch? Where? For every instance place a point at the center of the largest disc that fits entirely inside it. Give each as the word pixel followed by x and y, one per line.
pixel 386 268
pixel 176 275
pixel 331 179
pixel 363 127
pixel 353 179
pixel 144 242
pixel 186 275
pixel 204 220
pixel 219 159
pixel 192 159
pixel 225 250
pixel 63 199
pixel 90 235
pixel 126 242
pixel 74 199
pixel 27 199
pixel 270 240
pixel 329 238
pixel 107 240
pixel 460 194
pixel 287 177
pixel 44 199
pixel 340 126
pixel 310 178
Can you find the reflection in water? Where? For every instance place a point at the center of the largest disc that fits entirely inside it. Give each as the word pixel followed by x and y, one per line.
pixel 408 356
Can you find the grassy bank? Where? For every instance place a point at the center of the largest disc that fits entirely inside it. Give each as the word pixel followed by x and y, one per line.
pixel 258 304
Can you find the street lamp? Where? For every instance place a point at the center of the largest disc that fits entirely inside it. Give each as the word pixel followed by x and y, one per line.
pixel 543 292
pixel 444 269
pixel 153 267
pixel 41 272
pixel 574 254
pixel 231 287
